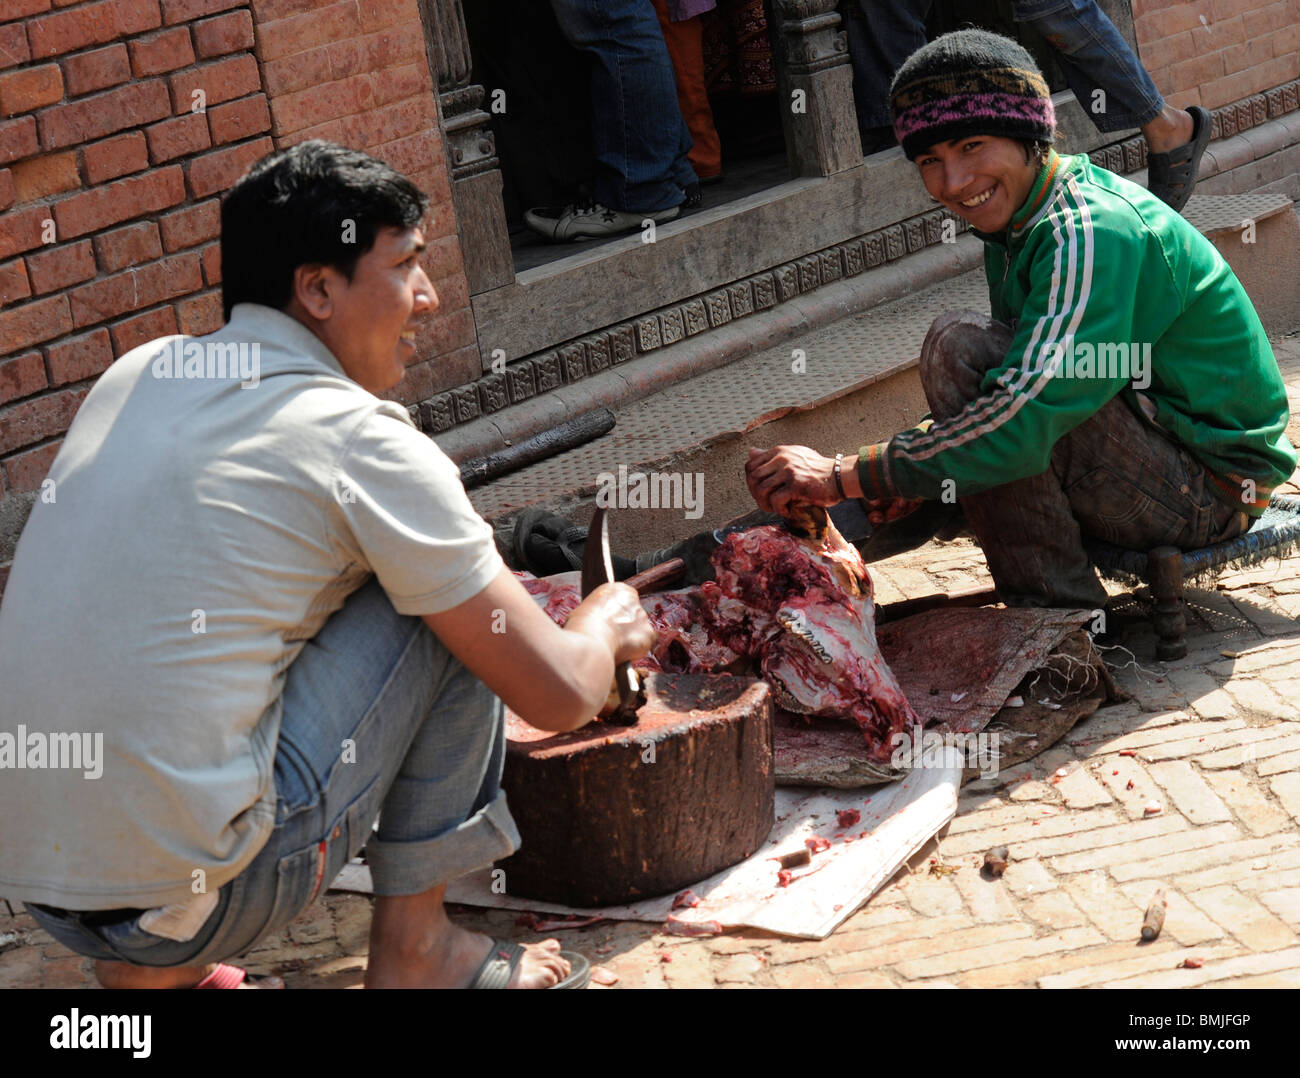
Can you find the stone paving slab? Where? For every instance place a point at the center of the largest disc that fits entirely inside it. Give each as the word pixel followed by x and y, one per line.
pixel 1225 846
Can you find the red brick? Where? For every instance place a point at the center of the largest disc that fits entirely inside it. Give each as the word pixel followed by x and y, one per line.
pixel 224 34
pixel 382 14
pixel 100 115
pixel 50 174
pixel 178 137
pixel 79 358
pixel 1247 54
pixel 143 328
pixel 273 10
pixel 200 314
pixel 120 201
pixel 17 139
pixel 15 9
pixel 1264 20
pixel 40 320
pixel 211 255
pixel 63 266
pixel 1170 20
pixel 375 52
pixel 25 471
pixel 21 376
pixel 223 80
pixel 21 230
pixel 142 286
pixel 13 282
pixel 98 70
pixel 164 51
pixel 175 11
pixel 7 194
pixel 1241 84
pixel 39 418
pixel 1198 71
pixel 30 88
pixel 297 72
pixel 13 45
pixel 283 37
pixel 400 82
pixel 239 119
pixel 308 107
pixel 191 226
pixel 128 246
pixel 1170 50
pixel 94 24
pixel 216 171
pixel 115 157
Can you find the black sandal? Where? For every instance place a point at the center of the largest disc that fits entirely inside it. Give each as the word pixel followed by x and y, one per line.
pixel 1172 175
pixel 544 542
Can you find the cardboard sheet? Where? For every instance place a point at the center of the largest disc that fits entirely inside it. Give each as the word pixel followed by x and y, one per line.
pixel 897 820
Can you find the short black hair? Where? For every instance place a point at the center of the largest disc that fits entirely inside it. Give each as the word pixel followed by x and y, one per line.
pixel 313 203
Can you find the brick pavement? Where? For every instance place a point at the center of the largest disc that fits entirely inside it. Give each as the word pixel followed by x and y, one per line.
pixel 1215 738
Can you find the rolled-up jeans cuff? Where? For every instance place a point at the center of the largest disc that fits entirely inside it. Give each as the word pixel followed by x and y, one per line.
pixel 410 868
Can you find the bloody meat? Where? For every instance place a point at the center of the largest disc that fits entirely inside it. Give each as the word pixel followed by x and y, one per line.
pixel 797 612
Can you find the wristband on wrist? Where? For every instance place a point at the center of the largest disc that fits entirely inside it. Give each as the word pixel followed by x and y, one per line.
pixel 839 483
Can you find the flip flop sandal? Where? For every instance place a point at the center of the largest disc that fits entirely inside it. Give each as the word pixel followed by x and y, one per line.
pixel 225 976
pixel 499 967
pixel 543 542
pixel 1172 175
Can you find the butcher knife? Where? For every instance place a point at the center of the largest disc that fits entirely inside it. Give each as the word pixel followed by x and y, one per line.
pixel 625 695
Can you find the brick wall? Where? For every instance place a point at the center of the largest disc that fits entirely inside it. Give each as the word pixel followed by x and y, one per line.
pixel 121 124
pixel 1242 47
pixel 356 73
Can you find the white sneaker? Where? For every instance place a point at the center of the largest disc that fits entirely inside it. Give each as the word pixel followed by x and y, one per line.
pixel 561 224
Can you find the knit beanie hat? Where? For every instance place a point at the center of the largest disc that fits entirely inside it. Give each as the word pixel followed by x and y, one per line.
pixel 966 83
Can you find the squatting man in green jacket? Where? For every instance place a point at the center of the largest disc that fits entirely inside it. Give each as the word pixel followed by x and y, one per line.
pixel 1124 387
pixel 279 617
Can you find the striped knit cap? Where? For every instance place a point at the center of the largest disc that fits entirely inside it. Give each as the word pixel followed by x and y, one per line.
pixel 966 83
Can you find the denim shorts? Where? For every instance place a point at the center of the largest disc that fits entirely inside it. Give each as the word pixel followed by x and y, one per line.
pixel 377 719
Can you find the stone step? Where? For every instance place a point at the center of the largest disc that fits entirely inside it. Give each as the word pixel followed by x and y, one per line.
pixel 846 384
pixel 1259 237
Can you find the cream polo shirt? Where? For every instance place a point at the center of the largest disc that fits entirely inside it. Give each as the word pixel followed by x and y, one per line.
pixel 207 512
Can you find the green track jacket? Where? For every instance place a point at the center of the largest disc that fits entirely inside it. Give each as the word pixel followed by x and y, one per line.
pixel 1108 291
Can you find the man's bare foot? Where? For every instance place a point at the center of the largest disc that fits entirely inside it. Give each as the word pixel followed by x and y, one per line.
pixel 413 944
pixel 1171 129
pixel 125 975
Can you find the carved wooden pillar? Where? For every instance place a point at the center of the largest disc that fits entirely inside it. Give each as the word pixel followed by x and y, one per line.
pixel 815 84
pixel 471 149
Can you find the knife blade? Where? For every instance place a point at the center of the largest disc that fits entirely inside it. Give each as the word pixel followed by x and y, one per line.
pixel 625 695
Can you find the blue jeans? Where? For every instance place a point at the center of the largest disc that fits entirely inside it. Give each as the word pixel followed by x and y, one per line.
pixel 881 36
pixel 378 719
pixel 1093 56
pixel 638 134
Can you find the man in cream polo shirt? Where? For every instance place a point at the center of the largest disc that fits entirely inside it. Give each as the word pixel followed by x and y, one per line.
pixel 263 592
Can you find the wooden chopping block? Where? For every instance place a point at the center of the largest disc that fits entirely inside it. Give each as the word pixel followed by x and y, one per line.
pixel 610 814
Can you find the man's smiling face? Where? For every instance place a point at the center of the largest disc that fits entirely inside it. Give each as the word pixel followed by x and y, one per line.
pixel 372 318
pixel 984 179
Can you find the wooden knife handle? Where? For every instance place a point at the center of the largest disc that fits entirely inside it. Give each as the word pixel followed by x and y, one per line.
pixel 663 575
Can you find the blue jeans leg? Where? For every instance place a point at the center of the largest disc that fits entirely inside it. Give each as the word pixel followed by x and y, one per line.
pixel 375 712
pixel 881 36
pixel 1094 57
pixel 639 136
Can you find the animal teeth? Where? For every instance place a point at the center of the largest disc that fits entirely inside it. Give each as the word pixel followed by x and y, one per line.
pixel 979 200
